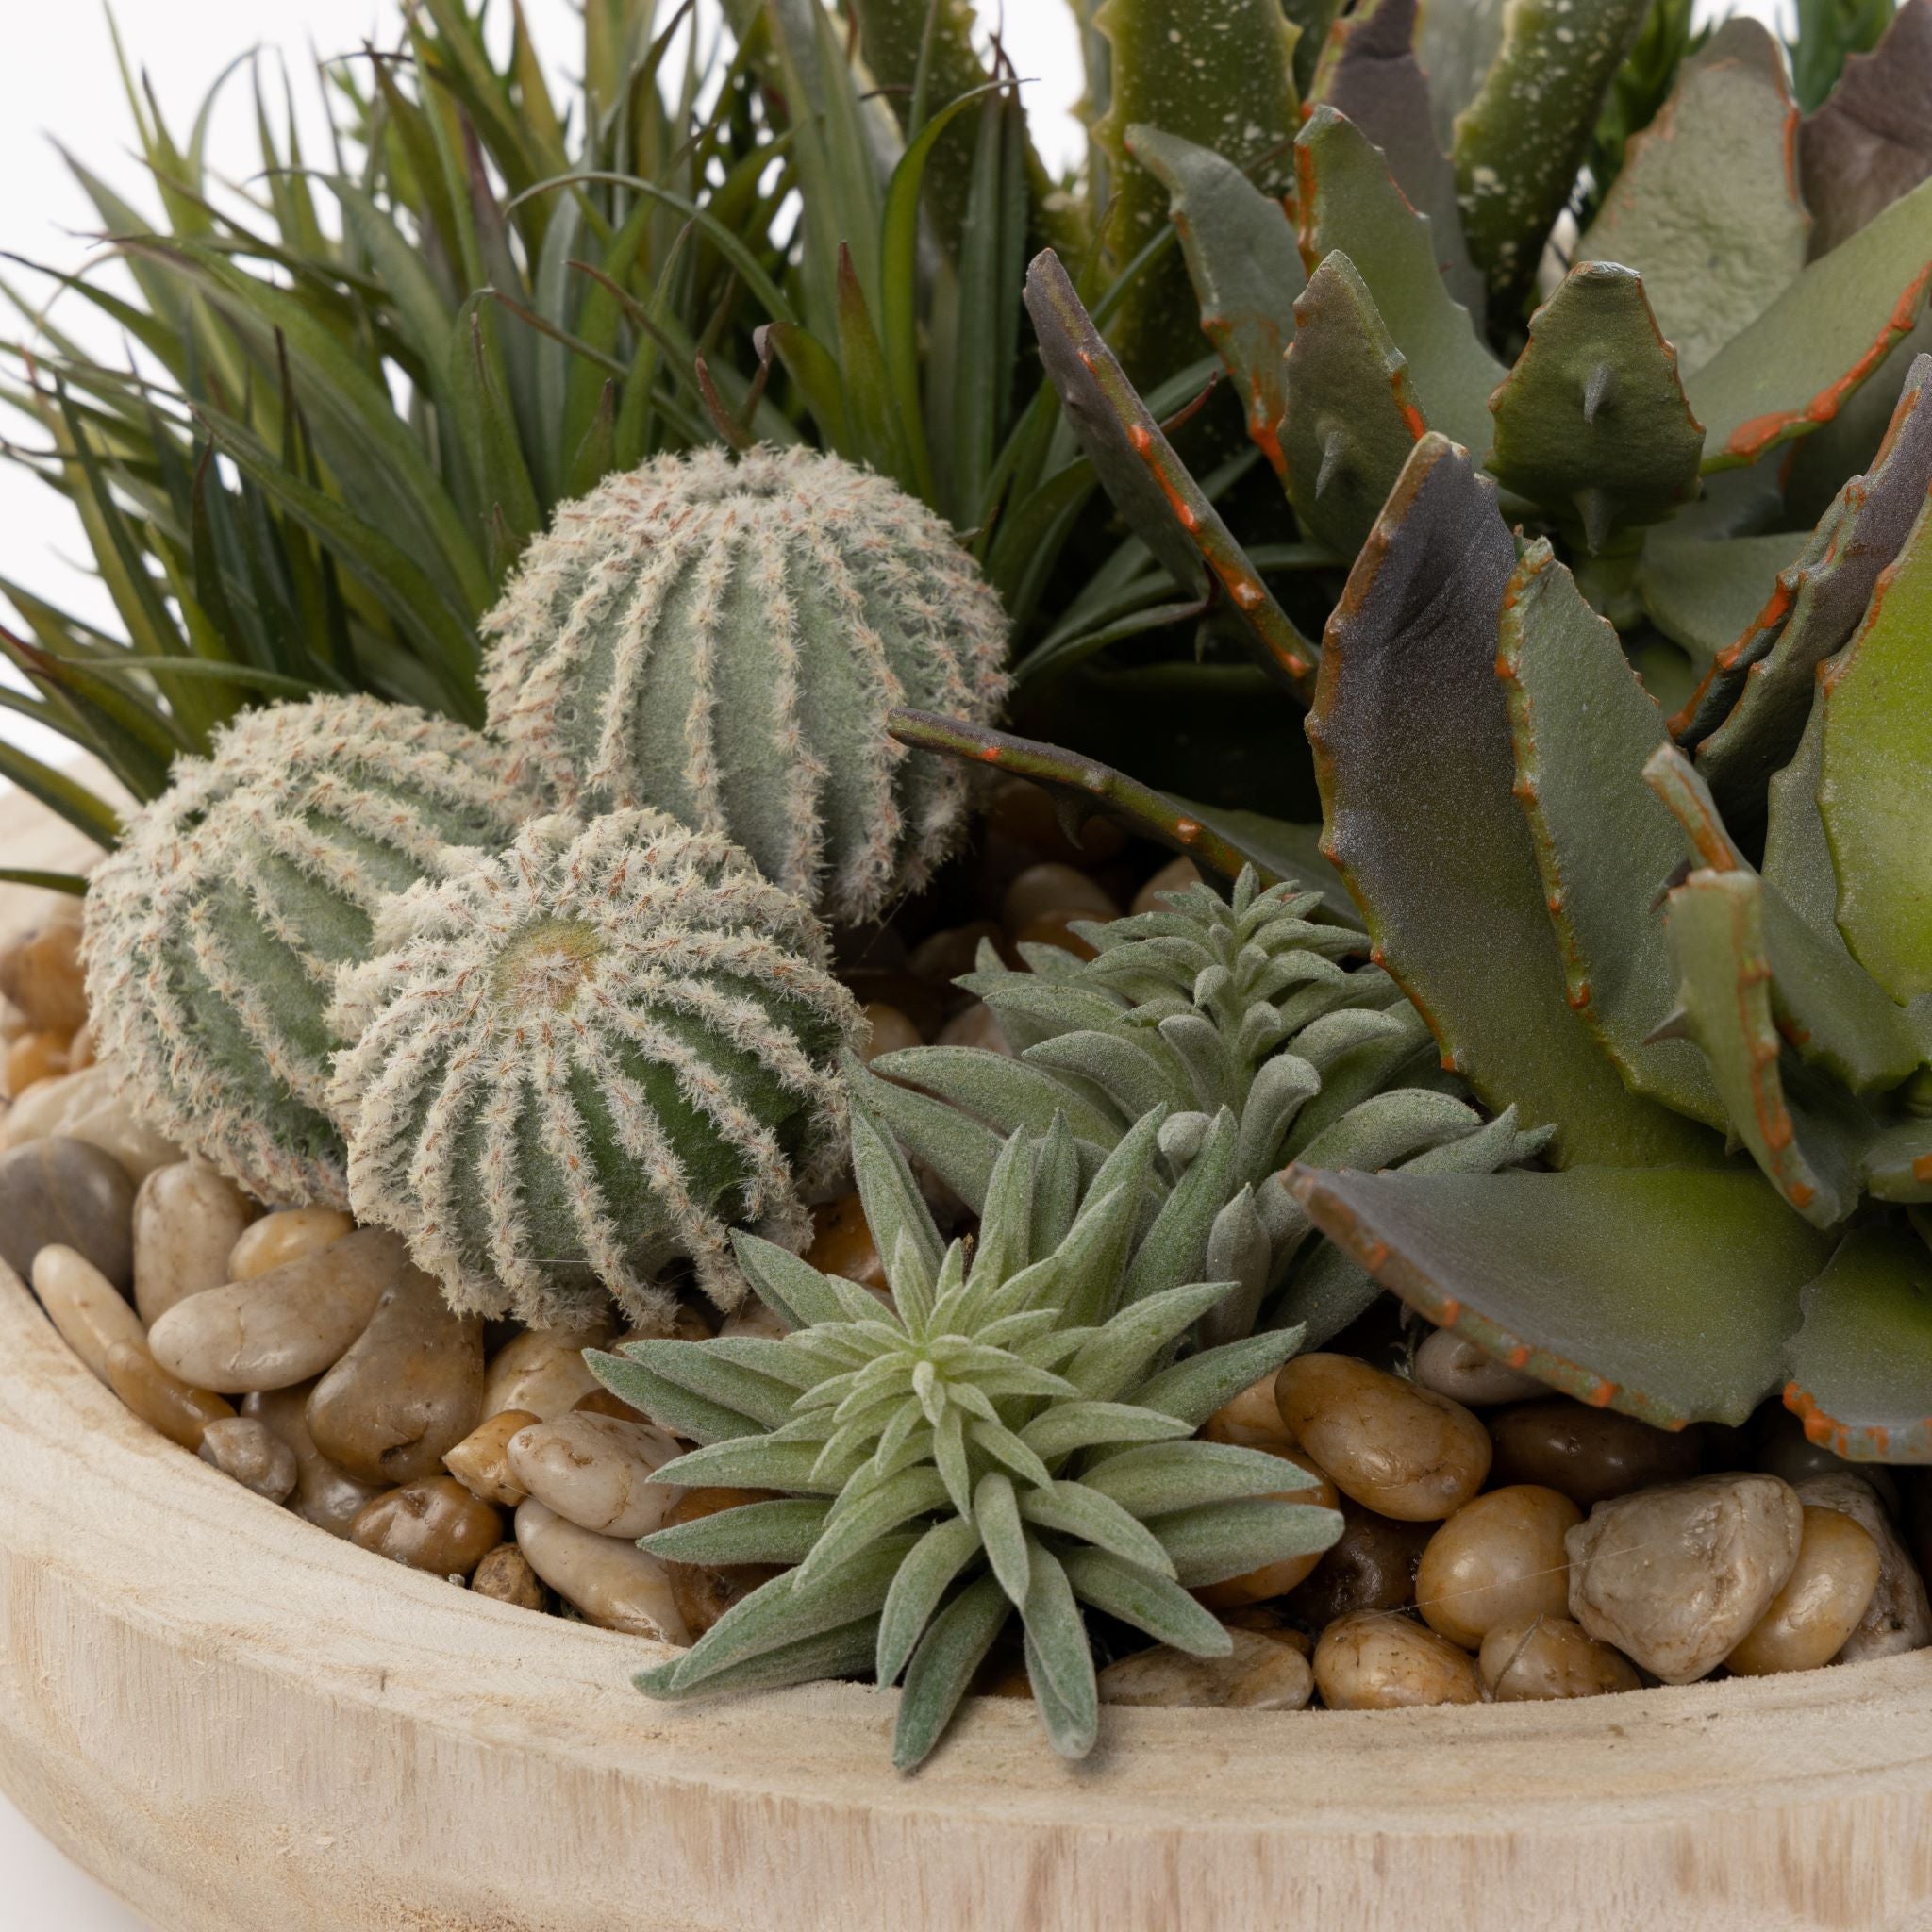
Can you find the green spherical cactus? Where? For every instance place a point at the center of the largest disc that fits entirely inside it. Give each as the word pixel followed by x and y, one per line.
pixel 586 1057
pixel 215 930
pixel 720 638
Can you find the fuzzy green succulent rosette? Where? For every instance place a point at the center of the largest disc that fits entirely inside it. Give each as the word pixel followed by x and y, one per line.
pixel 1012 1437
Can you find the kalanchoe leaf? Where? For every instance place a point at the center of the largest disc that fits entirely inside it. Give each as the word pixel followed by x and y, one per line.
pixel 1541 1271
pixel 1707 209
pixel 1348 202
pixel 1592 422
pixel 1862 1365
pixel 1703 591
pixel 1896 1162
pixel 1223 1539
pixel 1869 143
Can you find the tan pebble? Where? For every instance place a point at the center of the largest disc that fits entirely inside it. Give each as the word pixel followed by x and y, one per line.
pixel 246 1448
pixel 602 1401
pixel 13 1022
pixel 433 1524
pixel 703 1592
pixel 409 1388
pixel 80 1049
pixel 284 1326
pixel 1899 1617
pixel 285 1236
pixel 87 1309
pixel 977 1025
pixel 1460 1369
pixel 595 1471
pixel 1530 1659
pixel 1821 1602
pixel 543 1370
pixel 31 1059
pixel 324 1495
pixel 888 1030
pixel 505 1575
pixel 1398 1450
pixel 1270 1620
pixel 613 1584
pixel 1251 1420
pixel 1278 1578
pixel 942 958
pixel 1498 1559
pixel 753 1317
pixel 841 1243
pixel 187 1219
pixel 162 1401
pixel 1177 876
pixel 1258 1674
pixel 39 973
pixel 1028 814
pixel 89 1105
pixel 1058 929
pixel 1051 888
pixel 1590 1455
pixel 64 1193
pixel 1676 1577
pixel 1371 1566
pixel 481 1462
pixel 1376 1661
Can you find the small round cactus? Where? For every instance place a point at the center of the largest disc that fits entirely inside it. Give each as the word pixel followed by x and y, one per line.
pixel 583 1059
pixel 720 638
pixel 215 930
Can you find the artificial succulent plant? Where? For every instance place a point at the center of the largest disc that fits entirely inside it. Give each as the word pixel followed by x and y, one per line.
pixel 1012 1438
pixel 576 1059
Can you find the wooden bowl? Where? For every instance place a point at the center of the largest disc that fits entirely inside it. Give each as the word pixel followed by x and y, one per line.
pixel 240 1724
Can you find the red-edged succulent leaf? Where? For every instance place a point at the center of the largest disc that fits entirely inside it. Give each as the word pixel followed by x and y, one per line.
pixel 1707 208
pixel 1592 422
pixel 1147 481
pixel 1898 1162
pixel 1413 757
pixel 1861 1364
pixel 1703 591
pixel 1669 1294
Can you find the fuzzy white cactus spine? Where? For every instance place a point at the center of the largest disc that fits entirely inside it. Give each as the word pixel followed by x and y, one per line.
pixel 215 931
pixel 720 638
pixel 587 1056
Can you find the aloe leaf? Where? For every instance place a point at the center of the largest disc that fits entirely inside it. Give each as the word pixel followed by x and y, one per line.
pixel 1666 1292
pixel 1592 422
pixel 1162 504
pixel 1871 141
pixel 1707 209
pixel 1223 1539
pixel 1794 367
pixel 1368 70
pixel 1413 756
pixel 1862 1365
pixel 955 1644
pixel 1703 593
pixel 1349 202
pixel 1240 252
pixel 1520 141
pixel 1875 787
pixel 1350 414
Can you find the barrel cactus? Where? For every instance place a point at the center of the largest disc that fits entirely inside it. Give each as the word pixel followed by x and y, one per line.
pixel 721 638
pixel 215 931
pixel 579 1059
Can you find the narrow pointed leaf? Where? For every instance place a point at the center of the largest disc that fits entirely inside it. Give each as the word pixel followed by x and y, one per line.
pixel 694 1416
pixel 1059 1658
pixel 1209 1545
pixel 842 1653
pixel 942 1667
pixel 1191 1390
pixel 1149 1601
pixel 921 1582
pixel 781 1531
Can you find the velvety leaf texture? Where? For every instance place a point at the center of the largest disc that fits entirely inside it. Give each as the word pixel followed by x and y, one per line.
pixel 1862 1365
pixel 1871 141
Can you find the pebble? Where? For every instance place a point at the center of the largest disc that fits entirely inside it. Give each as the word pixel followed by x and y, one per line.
pixel 703 1592
pixel 244 1447
pixel 943 956
pixel 162 1401
pixel 433 1524
pixel 1275 1579
pixel 480 1461
pixel 64 1193
pixel 39 973
pixel 1259 1674
pixel 505 1575
pixel 324 1495
pixel 1398 1450
pixel 1677 1575
pixel 187 1218
pixel 1373 1661
pixel 1177 876
pixel 1821 1602
pixel 1371 1566
pixel 1499 1559
pixel 751 1317
pixel 613 1584
pixel 1057 929
pixel 1456 1368
pixel 888 1030
pixel 1590 1455
pixel 284 1326
pixel 410 1389
pixel 977 1025
pixel 841 1243
pixel 1054 890
pixel 1028 814
pixel 80 1049
pixel 89 1310
pixel 595 1471
pixel 88 1106
pixel 1899 1617
pixel 543 1370
pixel 30 1060
pixel 1251 1420
pixel 285 1236
pixel 1532 1659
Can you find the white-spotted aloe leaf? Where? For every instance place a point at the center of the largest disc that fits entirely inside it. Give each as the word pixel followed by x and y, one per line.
pixel 1707 208
pixel 1413 757
pixel 1669 1294
pixel 1348 201
pixel 1703 591
pixel 1246 270
pixel 1592 422
pixel 1862 1365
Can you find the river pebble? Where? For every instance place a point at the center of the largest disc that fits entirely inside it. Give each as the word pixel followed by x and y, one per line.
pixel 505 1574
pixel 88 1106
pixel 1371 1566
pixel 324 1495
pixel 434 1525
pixel 613 1584
pixel 1498 1559
pixel 1819 1605
pixel 481 1461
pixel 187 1219
pixel 1373 1661
pixel 1899 1616
pixel 1258 1674
pixel 543 1370
pixel 287 1235
pixel 246 1448
pixel 162 1401
pixel 1590 1455
pixel 64 1193
pixel 595 1472
pixel 89 1310
pixel 1535 1660
pixel 39 973
pixel 1460 1369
